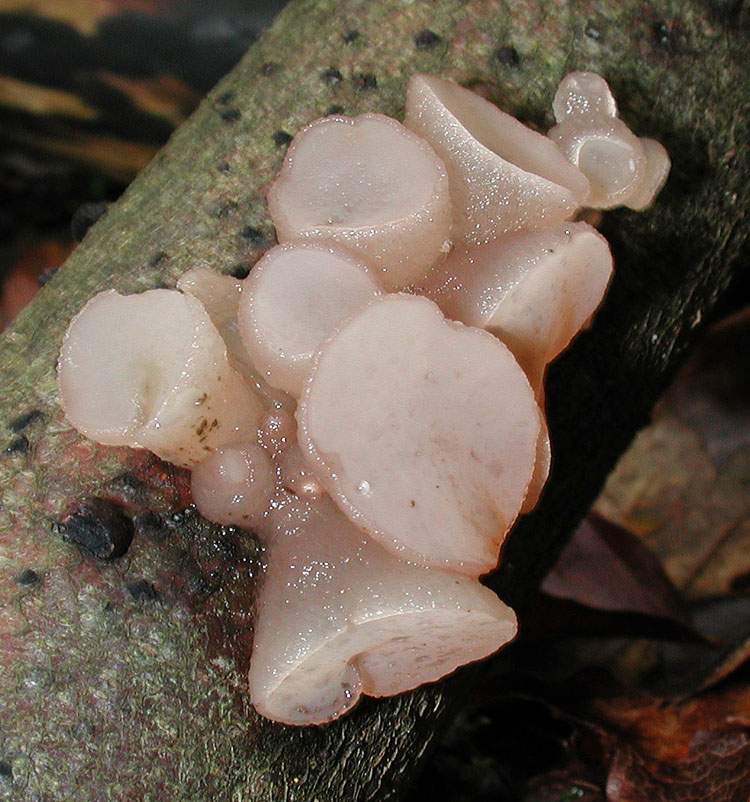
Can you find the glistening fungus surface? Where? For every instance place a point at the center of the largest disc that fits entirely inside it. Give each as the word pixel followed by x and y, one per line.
pixel 123 679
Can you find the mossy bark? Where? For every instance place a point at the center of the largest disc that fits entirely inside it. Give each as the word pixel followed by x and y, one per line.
pixel 110 692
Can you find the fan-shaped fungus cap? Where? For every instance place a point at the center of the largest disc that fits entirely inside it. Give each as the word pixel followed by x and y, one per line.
pixel 338 617
pixel 151 371
pixel 370 185
pixel 295 298
pixel 424 432
pixel 503 176
pixel 583 94
pixel 533 289
pixel 234 485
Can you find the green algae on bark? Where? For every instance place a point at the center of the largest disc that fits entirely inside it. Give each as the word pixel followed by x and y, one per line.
pixel 110 694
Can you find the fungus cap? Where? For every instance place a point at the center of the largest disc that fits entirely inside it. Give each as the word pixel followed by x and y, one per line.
pixel 503 176
pixel 369 185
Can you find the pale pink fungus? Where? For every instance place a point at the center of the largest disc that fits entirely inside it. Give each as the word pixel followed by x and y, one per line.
pixel 295 298
pixel 370 185
pixel 338 617
pixel 424 432
pixel 533 289
pixel 151 371
pixel 503 176
pixel 234 485
pixel 622 169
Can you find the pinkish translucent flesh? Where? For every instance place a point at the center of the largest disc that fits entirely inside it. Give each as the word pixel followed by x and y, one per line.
pixel 369 185
pixel 424 432
pixel 583 94
pixel 657 170
pixel 234 485
pixel 503 176
pixel 293 299
pixel 607 153
pixel 541 467
pixel 338 617
pixel 534 290
pixel 151 371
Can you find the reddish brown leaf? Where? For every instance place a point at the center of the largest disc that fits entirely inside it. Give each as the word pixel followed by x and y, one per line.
pixel 717 770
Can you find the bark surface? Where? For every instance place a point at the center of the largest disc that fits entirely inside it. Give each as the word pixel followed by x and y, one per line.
pixel 125 680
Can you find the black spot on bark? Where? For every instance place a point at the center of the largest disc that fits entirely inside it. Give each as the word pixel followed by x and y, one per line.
pixel 426 39
pixel 223 167
pixel 365 81
pixel 22 421
pixel 351 36
pixel 27 577
pixel 335 109
pixel 84 217
pixel 46 275
pixel 225 97
pixel 142 590
pixel 230 115
pixel 508 56
pixel 223 209
pixel 157 258
pixel 269 68
pixel 18 445
pixel 252 234
pixel 331 76
pixel 239 271
pixel 151 526
pixel 592 31
pixel 281 138
pixel 98 527
pixel 6 771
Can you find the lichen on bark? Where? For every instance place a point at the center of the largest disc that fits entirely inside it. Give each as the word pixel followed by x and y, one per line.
pixel 109 692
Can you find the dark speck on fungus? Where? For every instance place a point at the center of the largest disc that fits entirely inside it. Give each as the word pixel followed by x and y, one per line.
pixel 22 421
pixel 281 138
pixel 224 167
pixel 365 80
pixel 18 445
pixel 269 68
pixel 142 590
pixel 225 97
pixel 27 577
pixel 331 76
pixel 99 527
pixel 508 56
pixel 351 36
pixel 84 217
pixel 426 39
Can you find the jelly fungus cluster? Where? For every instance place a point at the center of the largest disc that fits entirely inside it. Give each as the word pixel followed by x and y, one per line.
pixel 369 400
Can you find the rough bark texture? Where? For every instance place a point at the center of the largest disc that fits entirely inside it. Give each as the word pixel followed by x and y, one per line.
pixel 125 680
